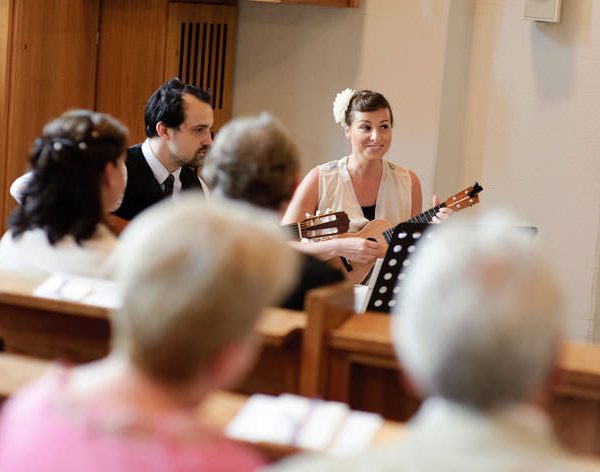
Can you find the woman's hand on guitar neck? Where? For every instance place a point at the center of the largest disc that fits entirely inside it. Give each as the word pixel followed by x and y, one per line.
pixel 443 213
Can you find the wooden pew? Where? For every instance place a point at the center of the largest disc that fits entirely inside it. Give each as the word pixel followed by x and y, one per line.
pixel 358 365
pixel 46 328
pixel 327 308
pixel 216 412
pixel 277 368
pixel 75 332
pixel 575 407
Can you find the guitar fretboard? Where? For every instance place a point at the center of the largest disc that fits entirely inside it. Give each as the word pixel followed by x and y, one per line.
pixel 424 217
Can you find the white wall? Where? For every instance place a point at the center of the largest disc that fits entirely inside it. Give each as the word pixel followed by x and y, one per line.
pixel 477 91
pixel 292 59
pixel 532 132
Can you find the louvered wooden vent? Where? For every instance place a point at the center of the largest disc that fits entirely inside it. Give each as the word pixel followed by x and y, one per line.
pixel 202 57
pixel 200 49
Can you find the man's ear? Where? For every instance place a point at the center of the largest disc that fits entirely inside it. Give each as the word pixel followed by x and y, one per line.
pixel 162 130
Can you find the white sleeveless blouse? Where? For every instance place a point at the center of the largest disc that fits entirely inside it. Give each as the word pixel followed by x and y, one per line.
pixel 337 193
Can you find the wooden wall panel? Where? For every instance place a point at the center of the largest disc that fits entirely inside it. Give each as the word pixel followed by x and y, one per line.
pixel 319 3
pixel 201 50
pixel 5 32
pixel 52 69
pixel 130 59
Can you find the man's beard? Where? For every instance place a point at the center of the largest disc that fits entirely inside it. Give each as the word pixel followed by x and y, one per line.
pixel 198 158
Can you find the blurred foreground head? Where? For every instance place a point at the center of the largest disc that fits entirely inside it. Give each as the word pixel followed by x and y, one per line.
pixel 195 277
pixel 478 318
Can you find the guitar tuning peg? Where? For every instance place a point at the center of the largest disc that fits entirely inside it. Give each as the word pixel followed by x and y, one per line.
pixel 317 213
pixel 307 215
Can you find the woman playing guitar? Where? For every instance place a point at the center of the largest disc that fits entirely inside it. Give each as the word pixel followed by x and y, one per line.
pixel 363 184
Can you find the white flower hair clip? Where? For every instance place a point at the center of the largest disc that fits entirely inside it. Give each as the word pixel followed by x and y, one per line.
pixel 340 105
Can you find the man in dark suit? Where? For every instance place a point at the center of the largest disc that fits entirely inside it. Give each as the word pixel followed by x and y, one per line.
pixel 254 160
pixel 178 119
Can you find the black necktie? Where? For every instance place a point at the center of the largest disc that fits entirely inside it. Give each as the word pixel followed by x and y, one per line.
pixel 167 185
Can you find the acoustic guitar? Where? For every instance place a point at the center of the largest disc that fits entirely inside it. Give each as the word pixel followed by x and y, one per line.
pixel 382 232
pixel 318 227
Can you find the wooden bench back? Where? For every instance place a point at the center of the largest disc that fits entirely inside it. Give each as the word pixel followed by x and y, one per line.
pixel 356 363
pixel 47 328
pixel 327 308
pixel 74 332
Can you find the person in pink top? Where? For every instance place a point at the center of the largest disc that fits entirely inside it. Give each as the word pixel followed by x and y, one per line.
pixel 193 277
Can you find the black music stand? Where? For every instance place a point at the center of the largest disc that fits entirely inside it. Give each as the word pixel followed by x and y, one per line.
pixel 381 294
pixel 390 273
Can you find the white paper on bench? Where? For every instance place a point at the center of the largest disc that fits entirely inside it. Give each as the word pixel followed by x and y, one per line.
pixel 357 433
pixel 75 288
pixel 303 422
pixel 260 421
pixel 321 425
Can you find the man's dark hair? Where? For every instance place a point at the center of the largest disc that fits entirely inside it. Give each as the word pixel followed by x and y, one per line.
pixel 166 105
pixel 63 196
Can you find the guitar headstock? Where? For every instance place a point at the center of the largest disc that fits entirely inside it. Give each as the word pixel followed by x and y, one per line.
pixel 465 198
pixel 324 225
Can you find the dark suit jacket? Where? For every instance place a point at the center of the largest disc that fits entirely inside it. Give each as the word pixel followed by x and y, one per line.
pixel 314 273
pixel 142 188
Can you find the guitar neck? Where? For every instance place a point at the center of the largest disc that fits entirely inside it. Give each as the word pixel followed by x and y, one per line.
pixel 424 217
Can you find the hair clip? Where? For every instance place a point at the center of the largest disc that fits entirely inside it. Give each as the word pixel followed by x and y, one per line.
pixel 82 146
pixel 57 146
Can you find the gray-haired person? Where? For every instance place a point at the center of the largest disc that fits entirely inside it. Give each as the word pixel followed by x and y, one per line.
pixel 254 160
pixel 477 327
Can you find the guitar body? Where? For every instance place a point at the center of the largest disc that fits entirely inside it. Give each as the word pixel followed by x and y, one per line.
pixel 360 271
pixel 380 230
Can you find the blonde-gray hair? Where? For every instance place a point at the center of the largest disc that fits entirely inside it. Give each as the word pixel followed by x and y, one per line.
pixel 194 278
pixel 478 315
pixel 253 159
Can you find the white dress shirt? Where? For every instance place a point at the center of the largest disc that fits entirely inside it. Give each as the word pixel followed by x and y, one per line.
pixel 161 173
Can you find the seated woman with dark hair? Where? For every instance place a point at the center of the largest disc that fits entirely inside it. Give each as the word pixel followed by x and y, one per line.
pixel 78 175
